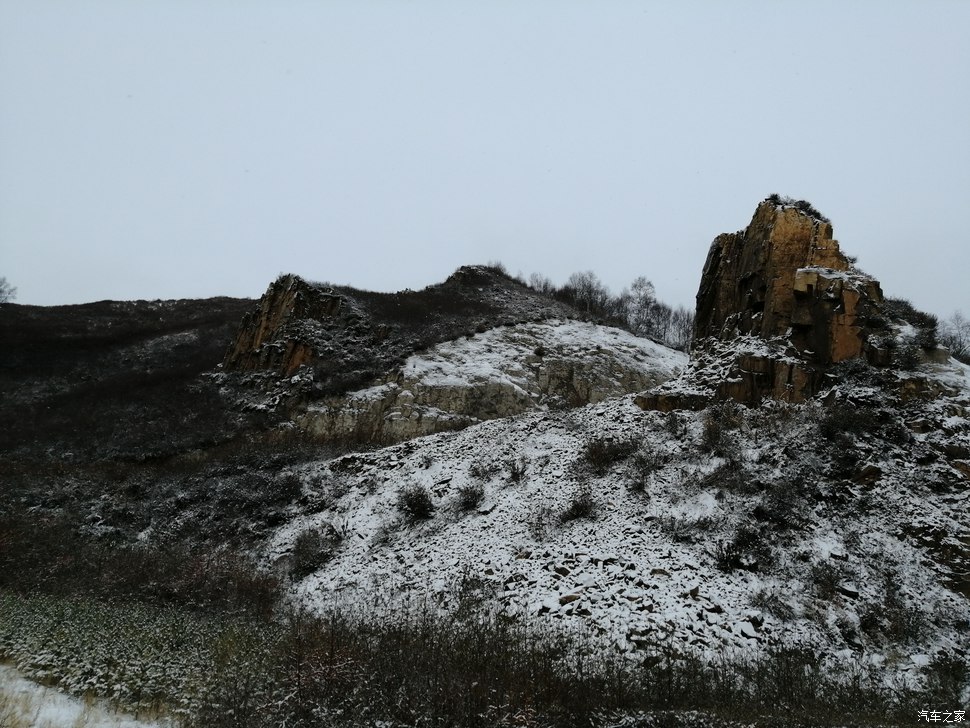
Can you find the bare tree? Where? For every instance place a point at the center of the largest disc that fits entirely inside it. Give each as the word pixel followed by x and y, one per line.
pixel 587 291
pixel 642 300
pixel 681 329
pixel 541 284
pixel 7 292
pixel 955 335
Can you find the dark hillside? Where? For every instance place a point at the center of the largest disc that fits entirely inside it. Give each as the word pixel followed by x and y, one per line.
pixel 112 379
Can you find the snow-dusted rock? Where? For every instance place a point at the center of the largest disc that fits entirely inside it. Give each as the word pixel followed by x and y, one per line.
pixel 499 373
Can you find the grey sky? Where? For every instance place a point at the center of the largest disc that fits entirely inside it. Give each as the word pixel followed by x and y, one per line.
pixel 189 149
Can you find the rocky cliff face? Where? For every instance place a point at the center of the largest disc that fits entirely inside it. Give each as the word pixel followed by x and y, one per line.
pixel 778 305
pixel 785 276
pixel 274 336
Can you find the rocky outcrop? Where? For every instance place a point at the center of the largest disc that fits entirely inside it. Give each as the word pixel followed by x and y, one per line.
pixel 778 304
pixel 274 336
pixel 784 276
pixel 347 337
pixel 500 373
pixel 367 367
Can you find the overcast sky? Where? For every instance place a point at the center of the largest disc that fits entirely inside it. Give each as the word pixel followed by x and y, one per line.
pixel 178 148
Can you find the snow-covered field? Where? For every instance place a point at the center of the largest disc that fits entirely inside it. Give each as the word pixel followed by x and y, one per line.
pixel 26 704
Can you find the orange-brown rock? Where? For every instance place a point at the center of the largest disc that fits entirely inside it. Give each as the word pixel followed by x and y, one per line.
pixel 777 305
pixel 785 276
pixel 271 337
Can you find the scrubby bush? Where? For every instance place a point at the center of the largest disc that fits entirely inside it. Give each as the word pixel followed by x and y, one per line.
pixel 469 496
pixel 50 555
pixel 802 205
pixel 748 549
pixel 415 502
pixel 845 418
pixel 784 503
pixel 947 676
pixel 686 530
pixel 541 521
pixel 675 424
pixel 483 470
pixel 641 467
pixel 719 420
pixel 313 548
pixel 517 468
pixel 732 477
pixel 825 579
pixel 770 601
pixel 603 452
pixel 581 505
pixel 893 618
pixel 426 668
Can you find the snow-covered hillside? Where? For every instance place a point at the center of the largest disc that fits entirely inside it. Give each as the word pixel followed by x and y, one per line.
pixel 840 527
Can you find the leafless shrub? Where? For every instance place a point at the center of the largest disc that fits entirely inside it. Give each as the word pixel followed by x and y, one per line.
pixel 517 468
pixel 469 496
pixel 747 550
pixel 770 601
pixel 313 548
pixel 484 470
pixel 641 467
pixel 603 452
pixel 581 505
pixel 415 502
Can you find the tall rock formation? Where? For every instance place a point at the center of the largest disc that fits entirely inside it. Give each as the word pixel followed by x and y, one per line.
pixel 778 304
pixel 274 336
pixel 785 276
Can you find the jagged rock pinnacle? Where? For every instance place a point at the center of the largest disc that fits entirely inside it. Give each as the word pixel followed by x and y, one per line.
pixel 779 303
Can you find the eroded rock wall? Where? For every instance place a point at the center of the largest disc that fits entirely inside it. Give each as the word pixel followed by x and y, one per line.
pixel 349 336
pixel 784 275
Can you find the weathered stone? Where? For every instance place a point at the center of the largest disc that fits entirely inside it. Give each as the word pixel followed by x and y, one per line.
pixel 339 330
pixel 868 474
pixel 848 590
pixel 777 305
pixel 963 466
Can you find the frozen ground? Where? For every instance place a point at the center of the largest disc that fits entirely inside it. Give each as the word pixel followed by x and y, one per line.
pixel 26 704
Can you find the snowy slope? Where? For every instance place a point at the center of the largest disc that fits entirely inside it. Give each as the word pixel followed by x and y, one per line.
pixel 856 560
